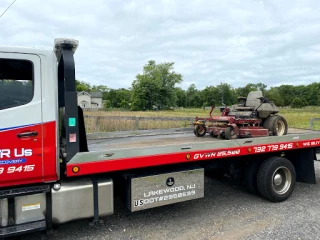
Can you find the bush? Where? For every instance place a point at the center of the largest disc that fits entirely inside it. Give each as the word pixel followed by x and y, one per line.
pixel 298 103
pixel 107 104
pixel 124 104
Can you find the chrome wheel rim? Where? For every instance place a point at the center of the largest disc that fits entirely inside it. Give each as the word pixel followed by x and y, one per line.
pixel 281 180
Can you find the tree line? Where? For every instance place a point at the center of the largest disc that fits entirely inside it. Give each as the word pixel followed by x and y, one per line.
pixel 157 88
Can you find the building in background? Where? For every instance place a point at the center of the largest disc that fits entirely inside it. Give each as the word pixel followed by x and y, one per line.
pixel 90 100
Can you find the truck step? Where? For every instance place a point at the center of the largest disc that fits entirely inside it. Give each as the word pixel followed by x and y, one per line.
pixel 24 191
pixel 23 228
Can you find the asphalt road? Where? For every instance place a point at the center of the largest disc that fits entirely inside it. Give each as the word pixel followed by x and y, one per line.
pixel 226 212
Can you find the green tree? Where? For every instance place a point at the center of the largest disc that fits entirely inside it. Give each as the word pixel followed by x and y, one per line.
pixel 298 103
pixel 124 104
pixel 288 93
pixel 100 88
pixel 244 91
pixel 181 97
pixel 193 96
pixel 311 94
pixel 274 95
pixel 83 86
pixel 155 87
pixel 107 104
pixel 226 94
pixel 262 87
pixel 209 96
pixel 115 96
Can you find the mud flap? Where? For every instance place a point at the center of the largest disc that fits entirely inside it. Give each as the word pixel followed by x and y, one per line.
pixel 303 161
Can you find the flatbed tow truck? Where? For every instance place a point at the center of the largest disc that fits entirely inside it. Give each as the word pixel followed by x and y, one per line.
pixel 50 175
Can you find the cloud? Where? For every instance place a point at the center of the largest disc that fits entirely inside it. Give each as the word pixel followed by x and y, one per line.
pixel 233 42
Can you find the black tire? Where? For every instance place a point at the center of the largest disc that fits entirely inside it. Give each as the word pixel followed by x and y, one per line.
pixel 216 173
pixel 230 133
pixel 267 124
pixel 250 177
pixel 277 125
pixel 212 135
pixel 200 130
pixel 271 187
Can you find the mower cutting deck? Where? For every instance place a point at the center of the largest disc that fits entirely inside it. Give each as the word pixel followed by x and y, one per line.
pixel 255 116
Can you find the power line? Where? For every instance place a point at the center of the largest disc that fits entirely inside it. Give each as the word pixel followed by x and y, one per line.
pixel 8 8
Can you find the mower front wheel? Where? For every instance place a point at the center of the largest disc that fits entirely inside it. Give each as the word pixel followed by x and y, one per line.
pixel 200 130
pixel 230 133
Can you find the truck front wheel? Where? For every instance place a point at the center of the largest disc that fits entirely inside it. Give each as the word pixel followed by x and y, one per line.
pixel 276 179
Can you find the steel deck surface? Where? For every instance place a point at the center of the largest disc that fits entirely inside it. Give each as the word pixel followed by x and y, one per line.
pixel 110 149
pixel 139 152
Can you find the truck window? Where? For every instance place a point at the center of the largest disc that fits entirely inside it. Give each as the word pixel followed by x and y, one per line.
pixel 16 83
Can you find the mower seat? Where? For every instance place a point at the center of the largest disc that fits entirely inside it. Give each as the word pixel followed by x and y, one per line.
pixel 241 108
pixel 252 101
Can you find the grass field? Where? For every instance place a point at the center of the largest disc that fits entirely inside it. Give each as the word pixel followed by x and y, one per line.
pixel 296 118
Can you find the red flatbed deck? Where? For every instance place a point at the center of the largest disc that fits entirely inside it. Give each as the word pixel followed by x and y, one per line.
pixel 138 152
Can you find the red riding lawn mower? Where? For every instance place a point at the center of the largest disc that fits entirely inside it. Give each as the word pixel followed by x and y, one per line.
pixel 254 116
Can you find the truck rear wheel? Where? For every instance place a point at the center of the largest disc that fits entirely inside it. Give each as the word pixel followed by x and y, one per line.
pixel 216 173
pixel 200 130
pixel 276 179
pixel 250 177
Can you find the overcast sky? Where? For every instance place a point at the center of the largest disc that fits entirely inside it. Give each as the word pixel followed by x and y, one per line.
pixel 236 42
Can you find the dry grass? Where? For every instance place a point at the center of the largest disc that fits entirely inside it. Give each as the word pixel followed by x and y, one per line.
pixel 190 112
pixel 112 125
pixel 296 118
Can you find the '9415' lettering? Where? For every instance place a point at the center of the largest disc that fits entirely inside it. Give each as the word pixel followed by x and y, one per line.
pixel 13 169
pixel 274 147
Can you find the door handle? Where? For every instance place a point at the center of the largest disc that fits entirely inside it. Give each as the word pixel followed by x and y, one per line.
pixel 27 134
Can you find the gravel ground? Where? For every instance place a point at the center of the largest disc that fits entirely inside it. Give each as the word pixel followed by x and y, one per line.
pixel 226 212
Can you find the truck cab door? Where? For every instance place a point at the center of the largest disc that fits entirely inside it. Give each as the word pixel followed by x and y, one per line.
pixel 21 125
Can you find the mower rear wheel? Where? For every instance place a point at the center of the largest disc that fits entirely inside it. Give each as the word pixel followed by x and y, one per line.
pixel 277 125
pixel 230 133
pixel 200 130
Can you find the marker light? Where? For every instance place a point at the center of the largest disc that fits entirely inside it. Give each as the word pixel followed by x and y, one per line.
pixel 75 169
pixel 188 156
pixel 61 43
